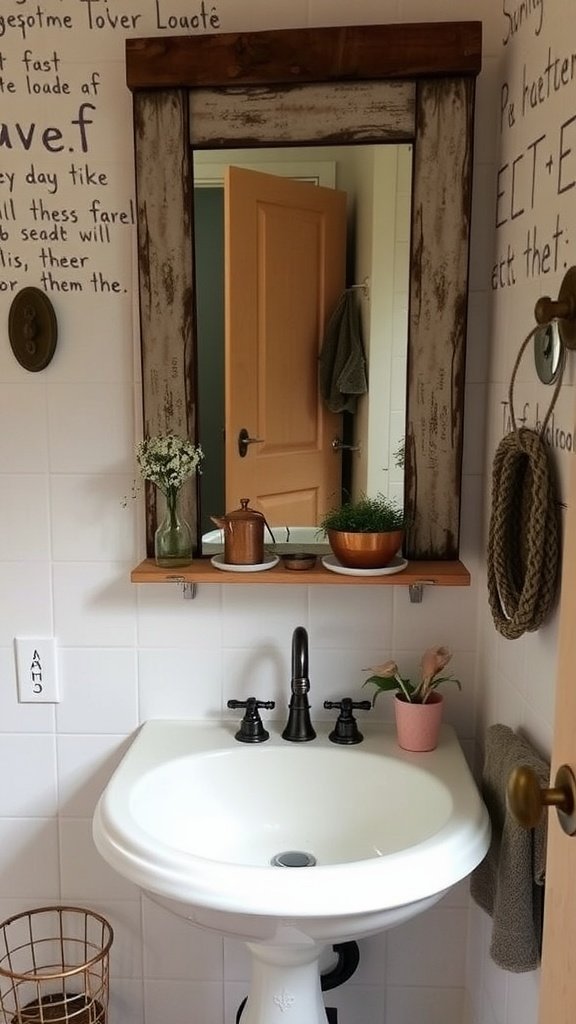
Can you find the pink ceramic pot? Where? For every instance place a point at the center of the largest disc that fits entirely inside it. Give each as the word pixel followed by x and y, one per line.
pixel 418 725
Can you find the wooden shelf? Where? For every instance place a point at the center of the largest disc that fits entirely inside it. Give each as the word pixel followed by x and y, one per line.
pixel 442 574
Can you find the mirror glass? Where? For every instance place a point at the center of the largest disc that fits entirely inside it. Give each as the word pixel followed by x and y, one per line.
pixel 377 181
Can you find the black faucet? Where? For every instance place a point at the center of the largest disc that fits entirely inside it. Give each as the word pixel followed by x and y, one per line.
pixel 299 727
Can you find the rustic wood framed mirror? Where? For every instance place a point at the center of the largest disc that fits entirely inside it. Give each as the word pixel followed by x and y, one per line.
pixel 383 83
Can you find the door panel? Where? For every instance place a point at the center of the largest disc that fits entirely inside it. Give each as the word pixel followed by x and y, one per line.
pixel 285 270
pixel 558 987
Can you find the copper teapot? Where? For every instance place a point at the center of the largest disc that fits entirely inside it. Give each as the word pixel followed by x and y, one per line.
pixel 243 534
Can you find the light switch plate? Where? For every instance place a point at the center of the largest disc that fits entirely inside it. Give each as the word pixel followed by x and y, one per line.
pixel 36 670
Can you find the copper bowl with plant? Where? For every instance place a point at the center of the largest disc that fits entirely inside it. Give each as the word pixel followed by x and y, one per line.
pixel 365 534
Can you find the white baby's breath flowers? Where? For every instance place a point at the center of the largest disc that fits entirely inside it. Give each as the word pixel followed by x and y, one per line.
pixel 168 460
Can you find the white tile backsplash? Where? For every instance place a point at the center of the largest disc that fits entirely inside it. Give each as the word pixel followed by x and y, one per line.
pixel 85 765
pixel 406 1005
pixel 330 617
pixel 28 774
pixel 100 690
pixel 90 428
pixel 84 875
pixel 126 1002
pixel 179 683
pixel 25 600
pixel 125 918
pixel 262 672
pixel 262 618
pixel 23 416
pixel 24 518
pixel 415 957
pixel 94 604
pixel 29 858
pixel 338 673
pixel 237 966
pixel 90 521
pixel 443 618
pixel 175 948
pixel 522 1006
pixel 175 1001
pixel 166 619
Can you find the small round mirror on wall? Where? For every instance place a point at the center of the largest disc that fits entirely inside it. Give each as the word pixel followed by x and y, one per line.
pixel 548 352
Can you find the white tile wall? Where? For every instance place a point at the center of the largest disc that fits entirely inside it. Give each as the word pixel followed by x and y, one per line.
pixel 174 1001
pixel 66 547
pixel 174 948
pixel 29 856
pixel 31 793
pixel 100 690
pixel 24 518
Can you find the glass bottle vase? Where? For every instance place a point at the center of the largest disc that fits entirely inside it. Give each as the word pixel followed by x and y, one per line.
pixel 173 538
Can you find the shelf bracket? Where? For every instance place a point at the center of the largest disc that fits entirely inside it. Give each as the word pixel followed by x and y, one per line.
pixel 416 590
pixel 188 589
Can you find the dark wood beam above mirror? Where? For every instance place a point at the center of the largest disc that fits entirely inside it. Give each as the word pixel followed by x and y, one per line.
pixel 305 55
pixel 196 90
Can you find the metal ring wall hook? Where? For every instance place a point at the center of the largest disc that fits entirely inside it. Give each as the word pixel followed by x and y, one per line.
pixel 522 349
pixel 549 353
pixel 563 310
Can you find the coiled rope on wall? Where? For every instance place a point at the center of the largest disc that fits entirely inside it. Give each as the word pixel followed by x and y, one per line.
pixel 523 538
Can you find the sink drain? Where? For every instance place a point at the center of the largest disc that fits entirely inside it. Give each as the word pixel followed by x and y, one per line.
pixel 293 859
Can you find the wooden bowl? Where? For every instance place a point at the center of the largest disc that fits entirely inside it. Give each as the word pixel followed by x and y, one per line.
pixel 299 560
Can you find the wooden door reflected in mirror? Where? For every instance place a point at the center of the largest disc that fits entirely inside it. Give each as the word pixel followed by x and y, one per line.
pixel 282 311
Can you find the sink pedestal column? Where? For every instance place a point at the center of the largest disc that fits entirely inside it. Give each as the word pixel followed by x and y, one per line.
pixel 285 987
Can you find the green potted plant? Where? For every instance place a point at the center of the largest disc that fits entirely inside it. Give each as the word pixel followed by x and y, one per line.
pixel 365 534
pixel 417 706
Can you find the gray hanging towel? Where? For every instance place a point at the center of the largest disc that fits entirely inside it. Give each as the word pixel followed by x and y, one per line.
pixel 342 363
pixel 509 883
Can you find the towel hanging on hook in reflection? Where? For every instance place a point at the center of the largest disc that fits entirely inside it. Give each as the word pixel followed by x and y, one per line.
pixel 342 363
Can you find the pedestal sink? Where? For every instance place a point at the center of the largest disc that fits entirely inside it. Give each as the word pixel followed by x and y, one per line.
pixel 206 824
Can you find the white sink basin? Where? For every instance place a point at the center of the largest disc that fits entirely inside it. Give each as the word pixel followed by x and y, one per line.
pixel 196 817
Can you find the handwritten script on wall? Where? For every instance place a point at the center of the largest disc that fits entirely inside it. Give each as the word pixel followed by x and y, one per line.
pixel 67 214
pixel 535 195
pixel 537 121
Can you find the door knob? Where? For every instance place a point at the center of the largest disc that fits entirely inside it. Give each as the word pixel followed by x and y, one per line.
pixel 244 440
pixel 527 799
pixel 339 446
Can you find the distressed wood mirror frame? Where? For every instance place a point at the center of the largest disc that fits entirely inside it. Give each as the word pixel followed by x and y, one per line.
pixel 360 84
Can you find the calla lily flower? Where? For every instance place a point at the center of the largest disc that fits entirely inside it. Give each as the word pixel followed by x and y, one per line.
pixel 387 669
pixel 387 676
pixel 433 661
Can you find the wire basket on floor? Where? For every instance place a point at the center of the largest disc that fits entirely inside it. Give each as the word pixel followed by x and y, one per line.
pixel 54 967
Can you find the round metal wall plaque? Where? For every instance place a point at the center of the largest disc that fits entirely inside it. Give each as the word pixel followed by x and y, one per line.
pixel 32 329
pixel 549 352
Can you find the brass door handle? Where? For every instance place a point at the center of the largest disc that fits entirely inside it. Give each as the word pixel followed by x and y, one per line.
pixel 526 798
